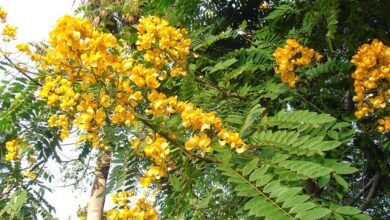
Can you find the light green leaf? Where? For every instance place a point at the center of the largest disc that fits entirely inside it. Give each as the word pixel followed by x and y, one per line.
pixel 258 173
pixel 250 118
pixel 341 181
pixel 316 213
pixel 249 167
pixel 348 210
pixel 223 65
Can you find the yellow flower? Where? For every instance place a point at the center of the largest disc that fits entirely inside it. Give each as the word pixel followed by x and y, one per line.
pixel 9 33
pixel 3 15
pixel 23 48
pixel 291 55
pixel 371 77
pixel 145 181
pixel 12 148
pixel 192 142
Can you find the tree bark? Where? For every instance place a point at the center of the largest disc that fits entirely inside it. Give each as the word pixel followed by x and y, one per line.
pixel 96 201
pixel 372 191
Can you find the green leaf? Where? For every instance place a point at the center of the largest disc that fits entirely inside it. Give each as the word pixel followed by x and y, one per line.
pixel 323 181
pixel 252 115
pixel 341 125
pixel 295 200
pixel 333 134
pixel 203 203
pixel 316 213
pixel 223 65
pixel 279 11
pixel 15 202
pixel 338 216
pixel 175 183
pixel 249 167
pixel 342 182
pixel 302 207
pixel 361 217
pixel 306 168
pixel 258 173
pixel 288 193
pixel 348 210
pixel 343 168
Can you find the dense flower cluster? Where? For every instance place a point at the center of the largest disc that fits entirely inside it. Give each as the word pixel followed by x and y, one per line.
pixel 158 149
pixel 141 210
pixel 79 59
pixel 12 148
pixel 372 78
pixel 384 124
pixel 61 121
pixel 163 44
pixel 93 80
pixel 289 57
pixel 9 33
pixel 200 122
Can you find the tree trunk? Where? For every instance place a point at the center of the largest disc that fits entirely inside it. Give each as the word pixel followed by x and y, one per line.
pixel 96 202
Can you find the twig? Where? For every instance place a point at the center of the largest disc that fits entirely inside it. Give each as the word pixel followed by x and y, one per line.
pixel 21 71
pixel 224 92
pixel 309 103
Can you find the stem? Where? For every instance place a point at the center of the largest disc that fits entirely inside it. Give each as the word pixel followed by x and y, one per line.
pixel 309 103
pixel 222 90
pixel 21 71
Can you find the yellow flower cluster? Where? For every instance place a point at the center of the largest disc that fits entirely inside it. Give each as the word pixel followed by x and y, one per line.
pixel 384 124
pixel 372 78
pixel 92 80
pixel 204 124
pixel 61 121
pixel 163 44
pixel 158 149
pixel 291 55
pixel 12 148
pixel 264 5
pixel 9 33
pixel 121 198
pixel 81 51
pixel 232 138
pixel 30 175
pixel 59 92
pixel 3 15
pixel 79 58
pixel 142 209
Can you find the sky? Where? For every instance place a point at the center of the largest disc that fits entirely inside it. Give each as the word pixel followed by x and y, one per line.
pixel 34 19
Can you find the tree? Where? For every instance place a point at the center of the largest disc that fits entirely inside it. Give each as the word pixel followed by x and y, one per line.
pixel 251 122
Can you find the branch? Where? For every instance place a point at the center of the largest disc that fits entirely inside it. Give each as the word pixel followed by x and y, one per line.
pixel 222 90
pixel 21 71
pixel 365 187
pixel 309 103
pixel 375 181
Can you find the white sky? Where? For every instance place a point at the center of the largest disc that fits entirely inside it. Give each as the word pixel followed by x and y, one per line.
pixel 34 20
